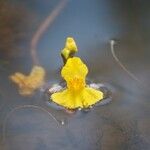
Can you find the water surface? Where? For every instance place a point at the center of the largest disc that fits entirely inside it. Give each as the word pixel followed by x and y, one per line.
pixel 120 125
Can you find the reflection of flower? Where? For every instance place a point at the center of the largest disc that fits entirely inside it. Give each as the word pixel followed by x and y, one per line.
pixel 77 94
pixel 28 84
pixel 69 50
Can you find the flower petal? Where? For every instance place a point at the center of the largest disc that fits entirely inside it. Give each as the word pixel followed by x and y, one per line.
pixel 74 68
pixel 84 99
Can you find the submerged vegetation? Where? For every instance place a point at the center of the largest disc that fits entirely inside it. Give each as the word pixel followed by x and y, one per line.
pixel 29 83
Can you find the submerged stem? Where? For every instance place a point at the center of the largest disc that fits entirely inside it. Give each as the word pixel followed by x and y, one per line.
pixel 22 107
pixel 43 27
pixel 112 43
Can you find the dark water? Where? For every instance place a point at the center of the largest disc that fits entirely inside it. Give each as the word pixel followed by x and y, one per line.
pixel 124 123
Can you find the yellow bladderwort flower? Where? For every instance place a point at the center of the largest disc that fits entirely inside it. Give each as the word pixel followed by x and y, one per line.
pixel 69 50
pixel 29 83
pixel 77 94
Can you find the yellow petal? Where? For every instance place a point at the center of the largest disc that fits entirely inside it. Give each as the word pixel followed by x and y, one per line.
pixel 29 83
pixel 74 68
pixel 77 94
pixel 83 99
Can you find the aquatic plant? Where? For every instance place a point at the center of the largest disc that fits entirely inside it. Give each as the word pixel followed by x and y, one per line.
pixel 69 50
pixel 77 93
pixel 29 83
pixel 132 75
pixel 43 28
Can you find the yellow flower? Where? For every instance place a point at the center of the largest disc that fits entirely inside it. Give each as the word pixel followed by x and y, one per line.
pixel 29 83
pixel 69 50
pixel 77 94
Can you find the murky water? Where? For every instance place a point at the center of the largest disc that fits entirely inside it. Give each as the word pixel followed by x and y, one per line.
pixel 29 122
